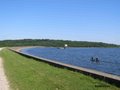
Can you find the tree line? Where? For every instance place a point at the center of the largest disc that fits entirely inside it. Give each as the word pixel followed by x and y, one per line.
pixel 53 43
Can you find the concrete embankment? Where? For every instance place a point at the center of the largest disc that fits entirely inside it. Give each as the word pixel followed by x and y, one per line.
pixel 113 79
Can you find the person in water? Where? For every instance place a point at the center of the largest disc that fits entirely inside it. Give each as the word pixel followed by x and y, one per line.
pixel 95 60
pixel 92 59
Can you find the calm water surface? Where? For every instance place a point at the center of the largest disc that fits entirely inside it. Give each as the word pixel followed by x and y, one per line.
pixel 109 57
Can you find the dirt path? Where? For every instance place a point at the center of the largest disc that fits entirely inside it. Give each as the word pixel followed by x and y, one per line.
pixel 3 80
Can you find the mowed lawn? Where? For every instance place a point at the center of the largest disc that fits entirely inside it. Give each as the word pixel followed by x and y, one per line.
pixel 27 74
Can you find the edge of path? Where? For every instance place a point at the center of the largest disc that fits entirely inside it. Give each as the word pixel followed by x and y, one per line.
pixel 4 84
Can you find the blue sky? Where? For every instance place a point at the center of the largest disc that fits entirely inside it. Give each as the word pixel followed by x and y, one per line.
pixel 81 20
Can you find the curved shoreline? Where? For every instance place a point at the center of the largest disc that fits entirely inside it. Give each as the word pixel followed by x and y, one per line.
pixel 113 79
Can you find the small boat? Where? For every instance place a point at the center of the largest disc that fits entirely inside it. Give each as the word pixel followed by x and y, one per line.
pixel 65 46
pixel 60 48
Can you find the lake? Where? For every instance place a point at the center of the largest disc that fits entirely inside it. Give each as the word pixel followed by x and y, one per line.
pixel 109 58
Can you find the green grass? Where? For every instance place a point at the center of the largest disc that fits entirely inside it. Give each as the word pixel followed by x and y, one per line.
pixel 27 74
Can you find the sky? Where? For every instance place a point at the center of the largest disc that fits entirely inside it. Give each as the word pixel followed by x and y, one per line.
pixel 80 20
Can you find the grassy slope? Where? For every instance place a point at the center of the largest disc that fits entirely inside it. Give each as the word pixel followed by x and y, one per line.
pixel 28 74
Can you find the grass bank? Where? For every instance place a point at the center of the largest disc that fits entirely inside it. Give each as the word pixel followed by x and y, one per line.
pixel 27 74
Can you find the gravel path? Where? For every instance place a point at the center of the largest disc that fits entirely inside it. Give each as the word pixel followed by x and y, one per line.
pixel 3 80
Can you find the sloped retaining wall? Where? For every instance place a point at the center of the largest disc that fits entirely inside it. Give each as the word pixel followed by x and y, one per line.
pixel 112 79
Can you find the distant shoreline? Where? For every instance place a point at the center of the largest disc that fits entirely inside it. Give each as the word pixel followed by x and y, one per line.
pixel 55 43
